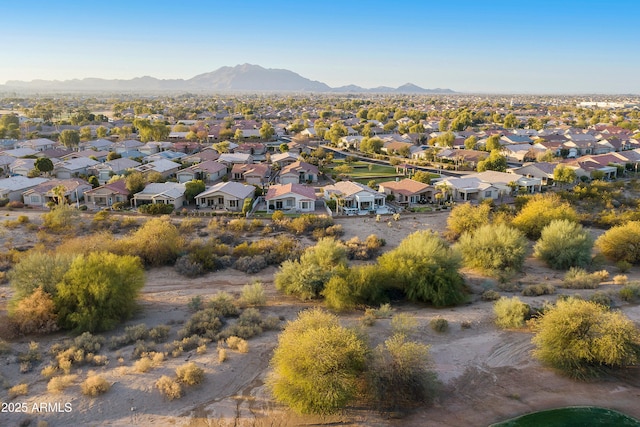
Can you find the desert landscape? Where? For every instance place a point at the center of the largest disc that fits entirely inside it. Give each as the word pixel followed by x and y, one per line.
pixel 486 374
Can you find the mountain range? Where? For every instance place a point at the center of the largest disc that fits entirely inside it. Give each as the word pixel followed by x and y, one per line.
pixel 241 78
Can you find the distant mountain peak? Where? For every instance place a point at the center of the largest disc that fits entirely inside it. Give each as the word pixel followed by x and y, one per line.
pixel 240 78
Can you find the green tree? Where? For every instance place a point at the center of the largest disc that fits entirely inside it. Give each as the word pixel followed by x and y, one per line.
pixel 621 243
pixel 98 291
pixel 266 130
pixel 510 312
pixel 495 162
pixel 511 121
pixel 69 138
pixel 43 164
pixel 284 147
pixel 580 338
pixel 135 182
pixel 101 131
pixel 539 211
pixel 60 219
pixel 85 133
pixel 307 277
pixel 443 126
pixel 317 364
pixel 94 181
pixel 335 132
pixel 356 286
pixel 494 248
pixel 113 155
pixel 493 143
pixel 471 142
pixel 38 270
pixel 564 175
pixel 466 218
pixel 158 242
pixel 425 269
pixel 222 147
pixel 238 135
pixel 371 145
pixel 193 188
pixel 421 176
pixel 564 244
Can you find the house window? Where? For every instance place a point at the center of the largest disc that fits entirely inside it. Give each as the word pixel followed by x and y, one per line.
pixel 487 194
pixel 289 203
pixel 304 205
pixel 34 199
pixel 233 203
pixel 221 200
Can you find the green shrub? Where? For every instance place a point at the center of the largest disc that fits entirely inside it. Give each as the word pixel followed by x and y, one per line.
pixel 224 303
pixel 205 323
pixel 630 292
pixel 580 338
pixel 490 295
pixel 539 211
pixel 494 249
pixel 539 289
pixel 190 374
pixel 157 242
pixel 425 268
pixel 439 324
pixel 156 209
pixel 466 218
pixel 578 278
pixel 38 270
pixel 253 294
pixel 60 219
pixel 311 384
pixel 601 298
pixel 564 244
pixel 350 288
pixel 621 243
pixel 623 266
pixel 510 312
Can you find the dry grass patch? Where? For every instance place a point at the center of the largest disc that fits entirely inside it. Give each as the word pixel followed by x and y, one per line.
pixel 190 374
pixel 169 388
pixel 60 383
pixel 236 343
pixel 18 390
pixel 94 385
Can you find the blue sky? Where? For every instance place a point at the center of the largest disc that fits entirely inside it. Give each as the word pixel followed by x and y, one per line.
pixel 469 46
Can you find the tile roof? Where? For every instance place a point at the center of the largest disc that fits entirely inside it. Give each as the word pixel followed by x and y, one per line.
pixel 280 190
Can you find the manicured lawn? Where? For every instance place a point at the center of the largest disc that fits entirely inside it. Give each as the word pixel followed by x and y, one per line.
pixel 365 170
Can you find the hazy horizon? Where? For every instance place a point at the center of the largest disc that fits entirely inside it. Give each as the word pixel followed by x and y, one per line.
pixel 471 47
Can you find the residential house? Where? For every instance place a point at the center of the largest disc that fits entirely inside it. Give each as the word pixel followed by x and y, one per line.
pixel 462 156
pixel 291 197
pixel 13 187
pixel 208 171
pixel 255 174
pixel 253 148
pixel 104 171
pixel 522 152
pixel 20 152
pixel 39 144
pixel 202 156
pixel 54 153
pixel 73 167
pixel 167 193
pixel 100 145
pixel 173 156
pixel 122 147
pixel 107 194
pixel 510 139
pixel 225 196
pixel 284 159
pixel 166 168
pixel 22 166
pixel 299 172
pixel 407 191
pixel 231 159
pixel 354 195
pixel 467 188
pixel 540 170
pixel 99 156
pixel 503 181
pixel 5 162
pixel 43 193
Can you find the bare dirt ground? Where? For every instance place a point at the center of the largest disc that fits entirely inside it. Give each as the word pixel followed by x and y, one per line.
pixel 486 374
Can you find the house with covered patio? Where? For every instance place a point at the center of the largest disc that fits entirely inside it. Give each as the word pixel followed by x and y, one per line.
pixel 228 196
pixel 167 193
pixel 291 197
pixel 407 191
pixel 354 196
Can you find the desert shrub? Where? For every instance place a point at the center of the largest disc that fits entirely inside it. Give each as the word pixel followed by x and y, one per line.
pixel 14 204
pixel 49 371
pixel 222 355
pixel 159 333
pixel 493 249
pixel 564 244
pixel 190 374
pixel 425 268
pixel 205 323
pixel 253 294
pixel 156 209
pixel 465 324
pixel 309 222
pixel 630 292
pixel 307 277
pixel 169 388
pixel 439 324
pixel 157 242
pixel 308 383
pixel 5 347
pixel 539 289
pixel 100 360
pixel 363 250
pixel 539 211
pixel 350 288
pixel 35 314
pixel 466 218
pixel 60 219
pixel 237 343
pixel 510 312
pixel 94 385
pixel 578 278
pixel 621 243
pixel 620 279
pixel 623 266
pixel 18 390
pixel 60 383
pixel 249 324
pixel 38 270
pixel 195 304
pixel 490 295
pixel 250 264
pixel 601 298
pixel 188 267
pixel 98 291
pixel 581 337
pixel 401 374
pixel 403 324
pixel 224 303
pixel 331 231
